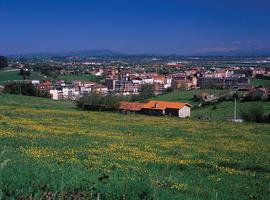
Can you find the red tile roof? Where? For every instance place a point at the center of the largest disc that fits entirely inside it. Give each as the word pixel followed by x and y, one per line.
pixel 162 105
pixel 132 106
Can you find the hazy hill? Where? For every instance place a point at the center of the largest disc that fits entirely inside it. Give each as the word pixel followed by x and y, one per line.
pixel 84 53
pixel 244 52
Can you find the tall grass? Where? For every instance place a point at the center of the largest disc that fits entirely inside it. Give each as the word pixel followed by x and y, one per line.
pixel 58 152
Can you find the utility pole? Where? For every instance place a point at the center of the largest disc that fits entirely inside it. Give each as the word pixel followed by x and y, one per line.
pixel 20 87
pixel 234 109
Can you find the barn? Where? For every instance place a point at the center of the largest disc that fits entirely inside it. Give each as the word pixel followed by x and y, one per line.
pixel 173 109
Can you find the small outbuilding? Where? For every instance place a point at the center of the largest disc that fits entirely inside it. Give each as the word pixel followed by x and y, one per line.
pixel 173 109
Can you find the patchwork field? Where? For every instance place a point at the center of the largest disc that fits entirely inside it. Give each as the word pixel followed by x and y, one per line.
pixel 13 75
pixel 50 149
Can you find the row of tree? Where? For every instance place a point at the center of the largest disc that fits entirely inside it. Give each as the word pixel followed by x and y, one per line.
pixel 24 88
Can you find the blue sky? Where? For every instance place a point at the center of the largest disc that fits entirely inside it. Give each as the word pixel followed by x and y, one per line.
pixel 134 26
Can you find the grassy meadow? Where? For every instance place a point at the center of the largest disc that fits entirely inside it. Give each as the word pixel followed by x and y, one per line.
pixel 187 96
pixel 82 77
pixel 51 150
pixel 9 75
pixel 13 75
pixel 221 111
pixel 225 110
pixel 263 82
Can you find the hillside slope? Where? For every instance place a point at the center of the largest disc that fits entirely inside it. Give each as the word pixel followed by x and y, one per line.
pixel 50 149
pixel 222 111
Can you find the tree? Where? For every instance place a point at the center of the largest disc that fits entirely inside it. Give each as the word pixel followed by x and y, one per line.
pixel 163 71
pixel 146 91
pixel 3 62
pixel 110 102
pixel 95 101
pixel 48 70
pixel 24 72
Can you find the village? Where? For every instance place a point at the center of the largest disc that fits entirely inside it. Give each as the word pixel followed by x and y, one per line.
pixel 126 80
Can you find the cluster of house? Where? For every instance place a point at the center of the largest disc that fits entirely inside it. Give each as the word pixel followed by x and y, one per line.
pixel 61 90
pixel 158 108
pixel 76 89
pixel 128 81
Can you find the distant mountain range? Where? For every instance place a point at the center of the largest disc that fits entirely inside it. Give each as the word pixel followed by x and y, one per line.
pixel 241 52
pixel 107 52
pixel 83 53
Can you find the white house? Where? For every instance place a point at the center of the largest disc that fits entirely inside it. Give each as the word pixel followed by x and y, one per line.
pixel 57 94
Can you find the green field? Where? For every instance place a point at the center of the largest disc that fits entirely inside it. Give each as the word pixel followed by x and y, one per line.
pixel 82 77
pixel 9 75
pixel 222 111
pixel 263 82
pixel 50 149
pixel 225 110
pixel 187 96
pixel 13 75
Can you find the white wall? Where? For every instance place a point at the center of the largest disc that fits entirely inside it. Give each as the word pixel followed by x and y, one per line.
pixel 184 112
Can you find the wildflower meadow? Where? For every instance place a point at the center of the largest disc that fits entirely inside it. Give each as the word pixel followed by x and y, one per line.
pixel 50 150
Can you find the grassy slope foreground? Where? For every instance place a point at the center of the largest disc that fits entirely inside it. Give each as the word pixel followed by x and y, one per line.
pixel 49 149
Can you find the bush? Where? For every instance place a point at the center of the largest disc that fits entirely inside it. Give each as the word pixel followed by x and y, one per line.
pixel 254 113
pixel 97 102
pixel 254 97
pixel 24 88
pixel 214 107
pixel 196 98
pixel 266 98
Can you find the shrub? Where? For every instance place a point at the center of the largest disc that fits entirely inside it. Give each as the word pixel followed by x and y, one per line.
pixel 254 97
pixel 214 107
pixel 266 97
pixel 96 101
pixel 254 113
pixel 267 118
pixel 196 98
